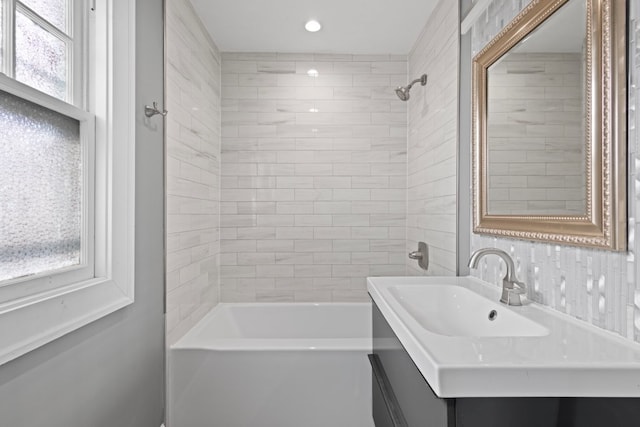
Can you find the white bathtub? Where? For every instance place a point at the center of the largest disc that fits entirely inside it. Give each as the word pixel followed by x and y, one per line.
pixel 274 365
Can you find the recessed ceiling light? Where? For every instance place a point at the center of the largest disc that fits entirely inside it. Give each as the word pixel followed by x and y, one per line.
pixel 313 110
pixel 313 73
pixel 312 26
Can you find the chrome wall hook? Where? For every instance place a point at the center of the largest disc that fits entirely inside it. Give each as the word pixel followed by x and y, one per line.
pixel 154 110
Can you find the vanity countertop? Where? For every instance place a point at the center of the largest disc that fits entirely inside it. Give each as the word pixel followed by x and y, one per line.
pixel 563 357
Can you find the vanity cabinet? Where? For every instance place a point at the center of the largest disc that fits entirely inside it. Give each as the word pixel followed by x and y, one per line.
pixel 396 377
pixel 403 398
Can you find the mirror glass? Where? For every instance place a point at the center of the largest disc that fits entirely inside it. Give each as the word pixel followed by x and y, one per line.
pixel 536 120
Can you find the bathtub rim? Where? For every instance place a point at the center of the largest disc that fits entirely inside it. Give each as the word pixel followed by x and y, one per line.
pixel 189 342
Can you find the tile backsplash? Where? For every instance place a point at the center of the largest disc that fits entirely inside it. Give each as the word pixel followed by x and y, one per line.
pixel 192 169
pixel 596 286
pixel 313 186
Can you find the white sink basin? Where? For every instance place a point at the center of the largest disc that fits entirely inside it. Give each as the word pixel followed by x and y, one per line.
pixel 527 351
pixel 458 312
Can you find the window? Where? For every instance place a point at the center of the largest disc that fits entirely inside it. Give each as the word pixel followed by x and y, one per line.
pixel 66 166
pixel 43 43
pixel 46 144
pixel 41 195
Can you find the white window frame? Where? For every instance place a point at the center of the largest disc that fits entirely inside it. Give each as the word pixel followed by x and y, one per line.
pixel 30 320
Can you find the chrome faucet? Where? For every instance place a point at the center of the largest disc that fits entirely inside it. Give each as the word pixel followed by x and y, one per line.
pixel 512 288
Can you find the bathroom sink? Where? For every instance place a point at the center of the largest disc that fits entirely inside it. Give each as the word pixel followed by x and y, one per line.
pixel 456 311
pixel 444 325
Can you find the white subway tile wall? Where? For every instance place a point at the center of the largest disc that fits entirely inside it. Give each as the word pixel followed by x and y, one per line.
pixel 433 142
pixel 596 286
pixel 313 196
pixel 192 169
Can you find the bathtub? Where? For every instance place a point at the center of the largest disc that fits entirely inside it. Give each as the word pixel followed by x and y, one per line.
pixel 274 365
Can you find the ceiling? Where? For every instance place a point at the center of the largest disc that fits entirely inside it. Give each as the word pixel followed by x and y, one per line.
pixel 349 26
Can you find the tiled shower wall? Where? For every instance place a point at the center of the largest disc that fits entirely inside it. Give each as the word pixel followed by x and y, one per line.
pixel 192 168
pixel 433 141
pixel 596 286
pixel 313 175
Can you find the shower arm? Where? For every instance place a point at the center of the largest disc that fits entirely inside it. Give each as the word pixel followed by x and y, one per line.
pixel 412 83
pixel 422 79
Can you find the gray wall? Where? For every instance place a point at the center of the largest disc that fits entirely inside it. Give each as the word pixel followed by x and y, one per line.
pixel 110 373
pixel 464 147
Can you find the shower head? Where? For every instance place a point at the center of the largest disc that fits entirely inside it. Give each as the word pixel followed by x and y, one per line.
pixel 403 91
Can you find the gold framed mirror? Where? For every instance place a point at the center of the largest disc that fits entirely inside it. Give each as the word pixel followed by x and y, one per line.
pixel 549 126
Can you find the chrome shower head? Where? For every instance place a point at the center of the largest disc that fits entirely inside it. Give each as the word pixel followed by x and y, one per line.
pixel 403 91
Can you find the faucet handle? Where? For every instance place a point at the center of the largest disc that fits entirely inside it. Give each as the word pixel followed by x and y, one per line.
pixel 422 255
pixel 511 292
pixel 515 286
pixel 519 287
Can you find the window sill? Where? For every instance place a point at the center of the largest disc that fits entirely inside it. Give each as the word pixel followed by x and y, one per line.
pixel 37 320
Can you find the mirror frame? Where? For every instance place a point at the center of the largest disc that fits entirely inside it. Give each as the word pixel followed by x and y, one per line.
pixel 605 223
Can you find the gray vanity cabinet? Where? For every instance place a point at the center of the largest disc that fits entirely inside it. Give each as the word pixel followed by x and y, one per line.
pixel 396 376
pixel 403 398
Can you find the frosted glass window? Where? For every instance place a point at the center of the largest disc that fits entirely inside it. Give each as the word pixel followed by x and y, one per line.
pixel 40 189
pixel 41 58
pixel 54 11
